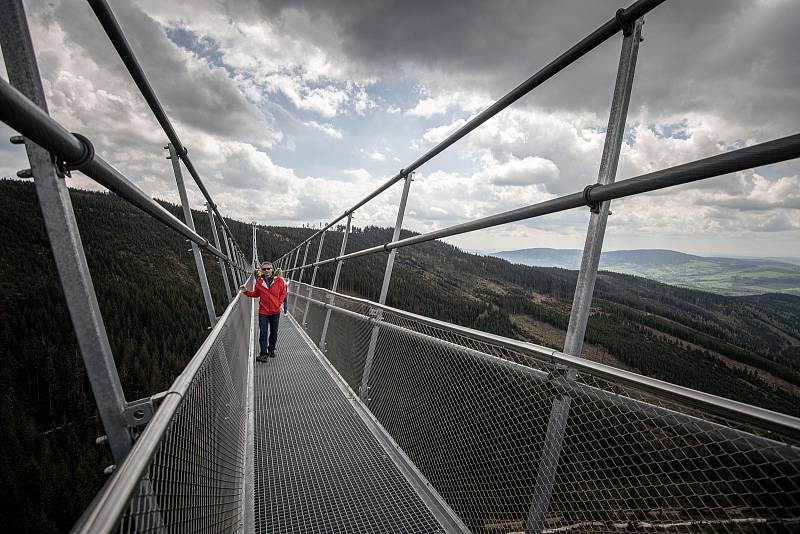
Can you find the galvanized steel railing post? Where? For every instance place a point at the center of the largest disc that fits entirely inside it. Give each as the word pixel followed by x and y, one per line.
pixel 559 413
pixel 291 275
pixel 335 283
pixel 65 239
pixel 231 263
pixel 189 220
pixel 300 277
pixel 296 259
pixel 255 247
pixel 313 277
pixel 213 224
pixel 387 278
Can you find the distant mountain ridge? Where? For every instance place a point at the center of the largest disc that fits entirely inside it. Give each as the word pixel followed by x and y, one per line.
pixel 725 276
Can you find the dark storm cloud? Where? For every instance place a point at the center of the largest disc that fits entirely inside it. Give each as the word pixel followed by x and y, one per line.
pixel 199 96
pixel 732 57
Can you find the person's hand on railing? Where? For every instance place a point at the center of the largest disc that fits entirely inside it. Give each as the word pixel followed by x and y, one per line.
pixel 242 288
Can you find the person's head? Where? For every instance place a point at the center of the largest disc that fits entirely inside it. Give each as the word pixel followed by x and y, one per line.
pixel 266 268
pixel 279 272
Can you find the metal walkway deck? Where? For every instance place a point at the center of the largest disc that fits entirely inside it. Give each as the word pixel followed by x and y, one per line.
pixel 319 464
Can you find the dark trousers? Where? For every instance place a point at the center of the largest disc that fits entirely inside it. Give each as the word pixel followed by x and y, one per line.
pixel 268 332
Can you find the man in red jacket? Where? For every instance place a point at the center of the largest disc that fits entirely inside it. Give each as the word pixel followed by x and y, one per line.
pixel 271 290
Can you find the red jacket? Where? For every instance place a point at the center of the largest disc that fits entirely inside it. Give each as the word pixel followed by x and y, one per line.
pixel 270 298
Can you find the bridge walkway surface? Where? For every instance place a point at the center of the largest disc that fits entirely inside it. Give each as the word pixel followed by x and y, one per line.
pixel 321 462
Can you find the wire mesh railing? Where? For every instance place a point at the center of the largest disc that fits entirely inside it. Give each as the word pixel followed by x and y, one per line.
pixel 186 472
pixel 514 436
pixel 472 411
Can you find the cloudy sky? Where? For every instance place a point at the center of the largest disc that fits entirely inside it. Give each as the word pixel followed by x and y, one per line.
pixel 293 111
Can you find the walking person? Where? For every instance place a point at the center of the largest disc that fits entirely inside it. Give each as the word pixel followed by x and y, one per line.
pixel 279 274
pixel 271 292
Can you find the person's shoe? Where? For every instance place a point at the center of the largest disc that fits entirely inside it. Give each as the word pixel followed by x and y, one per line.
pixel 271 354
pixel 261 358
pixel 286 314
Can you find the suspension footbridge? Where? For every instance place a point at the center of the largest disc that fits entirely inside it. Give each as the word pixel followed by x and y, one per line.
pixel 374 419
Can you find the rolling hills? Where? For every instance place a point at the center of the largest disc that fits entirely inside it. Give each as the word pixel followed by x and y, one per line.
pixel 725 276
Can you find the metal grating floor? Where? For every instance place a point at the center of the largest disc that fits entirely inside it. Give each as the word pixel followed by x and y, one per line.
pixel 318 468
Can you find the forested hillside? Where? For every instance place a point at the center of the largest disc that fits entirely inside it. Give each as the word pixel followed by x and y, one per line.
pixel 746 348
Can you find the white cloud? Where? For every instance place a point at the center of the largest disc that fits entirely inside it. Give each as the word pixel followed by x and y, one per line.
pixel 358 174
pixel 439 133
pixel 520 172
pixel 327 129
pixel 440 104
pixel 325 101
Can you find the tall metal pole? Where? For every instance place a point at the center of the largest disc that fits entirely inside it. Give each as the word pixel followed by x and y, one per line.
pixel 291 277
pixel 559 412
pixel 189 220
pixel 300 278
pixel 231 262
pixel 213 224
pixel 313 277
pixel 296 259
pixel 255 247
pixel 65 239
pixel 335 283
pixel 387 278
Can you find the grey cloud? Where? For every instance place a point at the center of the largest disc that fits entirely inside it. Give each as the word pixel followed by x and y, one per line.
pixel 778 222
pixel 310 207
pixel 751 204
pixel 193 95
pixel 734 57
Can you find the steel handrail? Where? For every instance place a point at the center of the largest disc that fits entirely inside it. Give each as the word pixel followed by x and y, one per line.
pixel 123 48
pixel 737 411
pixel 765 153
pixel 110 505
pixel 583 47
pixel 17 111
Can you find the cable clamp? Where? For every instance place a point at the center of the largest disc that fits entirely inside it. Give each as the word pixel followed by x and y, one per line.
pixel 594 207
pixel 627 27
pixel 64 168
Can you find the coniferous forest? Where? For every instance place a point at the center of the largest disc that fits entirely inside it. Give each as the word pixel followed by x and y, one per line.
pixel 745 348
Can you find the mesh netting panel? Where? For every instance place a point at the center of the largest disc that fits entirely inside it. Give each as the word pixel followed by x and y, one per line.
pixel 315 317
pixel 473 417
pixel 195 480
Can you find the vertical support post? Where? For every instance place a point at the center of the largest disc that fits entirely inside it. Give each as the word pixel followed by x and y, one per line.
pixel 559 412
pixel 335 283
pixel 291 277
pixel 255 247
pixel 65 239
pixel 296 259
pixel 387 278
pixel 231 260
pixel 213 224
pixel 313 277
pixel 189 220
pixel 302 268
